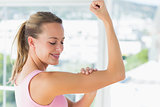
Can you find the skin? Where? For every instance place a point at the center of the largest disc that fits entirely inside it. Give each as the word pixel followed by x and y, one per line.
pixel 40 56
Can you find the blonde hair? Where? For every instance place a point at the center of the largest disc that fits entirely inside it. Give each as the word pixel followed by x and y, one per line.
pixel 31 27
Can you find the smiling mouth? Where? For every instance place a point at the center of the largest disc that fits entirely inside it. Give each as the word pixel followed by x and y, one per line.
pixel 55 56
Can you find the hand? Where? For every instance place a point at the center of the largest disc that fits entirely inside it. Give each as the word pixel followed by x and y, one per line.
pixel 99 9
pixel 87 70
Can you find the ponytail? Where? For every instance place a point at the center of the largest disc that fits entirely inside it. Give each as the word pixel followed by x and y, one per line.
pixel 22 52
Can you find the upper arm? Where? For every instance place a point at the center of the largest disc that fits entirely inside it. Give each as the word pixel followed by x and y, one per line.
pixel 59 83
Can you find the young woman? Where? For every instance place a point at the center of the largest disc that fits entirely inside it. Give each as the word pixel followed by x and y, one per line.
pixel 40 43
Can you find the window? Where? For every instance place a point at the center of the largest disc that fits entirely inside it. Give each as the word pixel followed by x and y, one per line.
pixel 133 20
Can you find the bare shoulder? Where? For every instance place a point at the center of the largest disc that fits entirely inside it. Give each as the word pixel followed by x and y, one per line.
pixel 38 89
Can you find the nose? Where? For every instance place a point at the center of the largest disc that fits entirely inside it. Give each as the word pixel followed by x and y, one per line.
pixel 59 48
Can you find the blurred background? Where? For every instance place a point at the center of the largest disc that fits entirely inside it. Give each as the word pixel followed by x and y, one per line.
pixel 136 24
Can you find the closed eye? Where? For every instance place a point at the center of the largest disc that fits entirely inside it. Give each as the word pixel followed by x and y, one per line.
pixel 55 43
pixel 52 43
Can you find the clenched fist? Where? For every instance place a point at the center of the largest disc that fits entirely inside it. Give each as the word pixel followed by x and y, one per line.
pixel 98 7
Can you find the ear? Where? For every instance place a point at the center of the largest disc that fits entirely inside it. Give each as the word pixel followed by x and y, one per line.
pixel 31 41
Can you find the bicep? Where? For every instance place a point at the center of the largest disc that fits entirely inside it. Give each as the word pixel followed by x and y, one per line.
pixel 69 83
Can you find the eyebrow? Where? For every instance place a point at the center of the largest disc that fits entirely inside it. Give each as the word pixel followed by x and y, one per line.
pixel 55 38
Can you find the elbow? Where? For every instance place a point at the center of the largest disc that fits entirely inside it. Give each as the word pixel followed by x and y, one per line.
pixel 121 73
pixel 118 74
pixel 121 76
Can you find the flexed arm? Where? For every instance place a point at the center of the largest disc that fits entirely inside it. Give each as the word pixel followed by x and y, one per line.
pixel 99 9
pixel 115 62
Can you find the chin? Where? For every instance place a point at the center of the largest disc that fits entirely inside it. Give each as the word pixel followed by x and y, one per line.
pixel 55 63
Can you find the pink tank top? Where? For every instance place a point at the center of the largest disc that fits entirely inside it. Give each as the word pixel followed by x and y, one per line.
pixel 23 98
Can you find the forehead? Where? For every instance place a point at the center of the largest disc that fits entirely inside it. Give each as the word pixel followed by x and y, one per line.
pixel 53 31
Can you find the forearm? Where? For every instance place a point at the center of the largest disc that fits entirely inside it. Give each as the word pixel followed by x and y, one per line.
pixel 114 54
pixel 85 101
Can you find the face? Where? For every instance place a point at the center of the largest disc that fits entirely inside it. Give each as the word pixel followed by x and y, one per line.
pixel 49 44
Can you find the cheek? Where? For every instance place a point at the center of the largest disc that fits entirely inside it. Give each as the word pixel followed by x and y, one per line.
pixel 42 52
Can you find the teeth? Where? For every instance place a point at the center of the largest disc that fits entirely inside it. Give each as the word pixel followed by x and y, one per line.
pixel 55 55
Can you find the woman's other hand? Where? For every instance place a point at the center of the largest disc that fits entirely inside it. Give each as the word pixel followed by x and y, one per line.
pixel 87 70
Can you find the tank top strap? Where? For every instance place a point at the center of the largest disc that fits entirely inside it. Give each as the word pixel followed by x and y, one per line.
pixel 28 77
pixel 31 75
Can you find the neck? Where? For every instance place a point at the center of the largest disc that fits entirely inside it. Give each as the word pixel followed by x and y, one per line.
pixel 34 62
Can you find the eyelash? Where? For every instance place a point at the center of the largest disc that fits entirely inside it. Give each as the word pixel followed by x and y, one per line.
pixel 55 43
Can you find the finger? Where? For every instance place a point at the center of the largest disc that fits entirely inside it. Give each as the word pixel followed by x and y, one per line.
pixel 95 5
pixel 86 72
pixel 87 69
pixel 82 70
pixel 95 69
pixel 92 9
pixel 91 70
